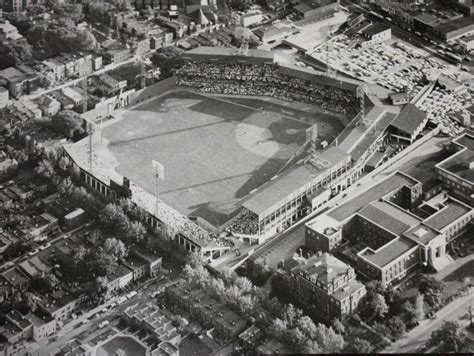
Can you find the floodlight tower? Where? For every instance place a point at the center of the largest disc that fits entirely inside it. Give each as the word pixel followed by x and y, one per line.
pixel 362 124
pixel 330 72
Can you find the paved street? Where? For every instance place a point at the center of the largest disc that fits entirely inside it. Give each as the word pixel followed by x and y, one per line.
pixel 420 334
pixel 76 327
pixel 277 248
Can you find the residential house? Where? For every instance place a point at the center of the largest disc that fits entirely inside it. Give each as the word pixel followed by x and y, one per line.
pixel 49 105
pixel 19 81
pixel 8 31
pixel 4 97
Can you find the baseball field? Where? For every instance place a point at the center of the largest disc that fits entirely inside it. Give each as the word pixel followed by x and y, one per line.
pixel 215 150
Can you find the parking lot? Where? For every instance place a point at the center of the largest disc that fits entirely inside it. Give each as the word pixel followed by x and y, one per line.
pixel 398 67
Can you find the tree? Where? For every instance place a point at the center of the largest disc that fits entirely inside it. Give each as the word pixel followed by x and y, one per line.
pixel 241 5
pixel 168 60
pixel 433 298
pixel 279 328
pixel 409 312
pixel 450 337
pixel 60 36
pixel 338 326
pixel 359 346
pixel 328 339
pixel 311 347
pixel 378 305
pixel 68 123
pixel 307 325
pixel 244 284
pixel 295 337
pixel 428 283
pixel 15 53
pixel 397 326
pixel 116 248
pixel 99 290
pixel 45 168
pixel 291 315
pixel 135 230
pixel 112 217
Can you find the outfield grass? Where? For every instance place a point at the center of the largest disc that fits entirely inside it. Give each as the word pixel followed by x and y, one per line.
pixel 214 151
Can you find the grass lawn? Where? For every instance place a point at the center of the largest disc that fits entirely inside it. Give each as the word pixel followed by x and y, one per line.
pixel 215 151
pixel 455 280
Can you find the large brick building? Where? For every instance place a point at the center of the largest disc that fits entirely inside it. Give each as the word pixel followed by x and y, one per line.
pixel 387 231
pixel 457 171
pixel 326 286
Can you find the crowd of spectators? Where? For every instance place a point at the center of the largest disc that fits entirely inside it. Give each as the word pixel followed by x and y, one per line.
pixel 175 221
pixel 246 223
pixel 265 80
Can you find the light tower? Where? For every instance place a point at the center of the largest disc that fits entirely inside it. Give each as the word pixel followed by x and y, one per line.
pixel 330 72
pixel 158 171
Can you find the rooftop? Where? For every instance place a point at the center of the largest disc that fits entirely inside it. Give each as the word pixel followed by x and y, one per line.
pixel 290 182
pixel 309 5
pixel 447 215
pixel 388 252
pixel 220 53
pixel 323 268
pixel 375 29
pixel 388 185
pixel 422 234
pixel 389 216
pixel 14 75
pixel 15 277
pixel 409 119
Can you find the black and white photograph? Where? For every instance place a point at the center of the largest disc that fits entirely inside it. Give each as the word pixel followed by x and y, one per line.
pixel 236 177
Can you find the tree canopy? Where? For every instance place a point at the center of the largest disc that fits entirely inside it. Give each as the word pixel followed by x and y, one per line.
pixel 449 337
pixel 68 123
pixel 59 37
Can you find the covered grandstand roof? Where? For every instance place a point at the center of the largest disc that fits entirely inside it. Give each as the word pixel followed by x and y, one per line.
pixel 290 183
pixel 222 54
pixel 409 119
pixel 319 77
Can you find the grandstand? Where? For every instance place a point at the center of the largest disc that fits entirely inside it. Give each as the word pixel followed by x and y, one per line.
pixel 235 151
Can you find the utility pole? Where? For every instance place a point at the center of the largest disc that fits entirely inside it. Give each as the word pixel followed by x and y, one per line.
pixel 469 310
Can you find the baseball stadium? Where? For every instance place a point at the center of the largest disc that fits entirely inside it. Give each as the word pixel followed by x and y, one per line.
pixel 244 146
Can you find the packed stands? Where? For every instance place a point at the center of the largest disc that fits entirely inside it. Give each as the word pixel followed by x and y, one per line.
pixel 246 223
pixel 265 79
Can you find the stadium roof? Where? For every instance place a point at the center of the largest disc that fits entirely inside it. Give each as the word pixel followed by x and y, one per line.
pixel 375 29
pixel 319 77
pixel 291 182
pixel 206 53
pixel 370 137
pixel 388 252
pixel 409 119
